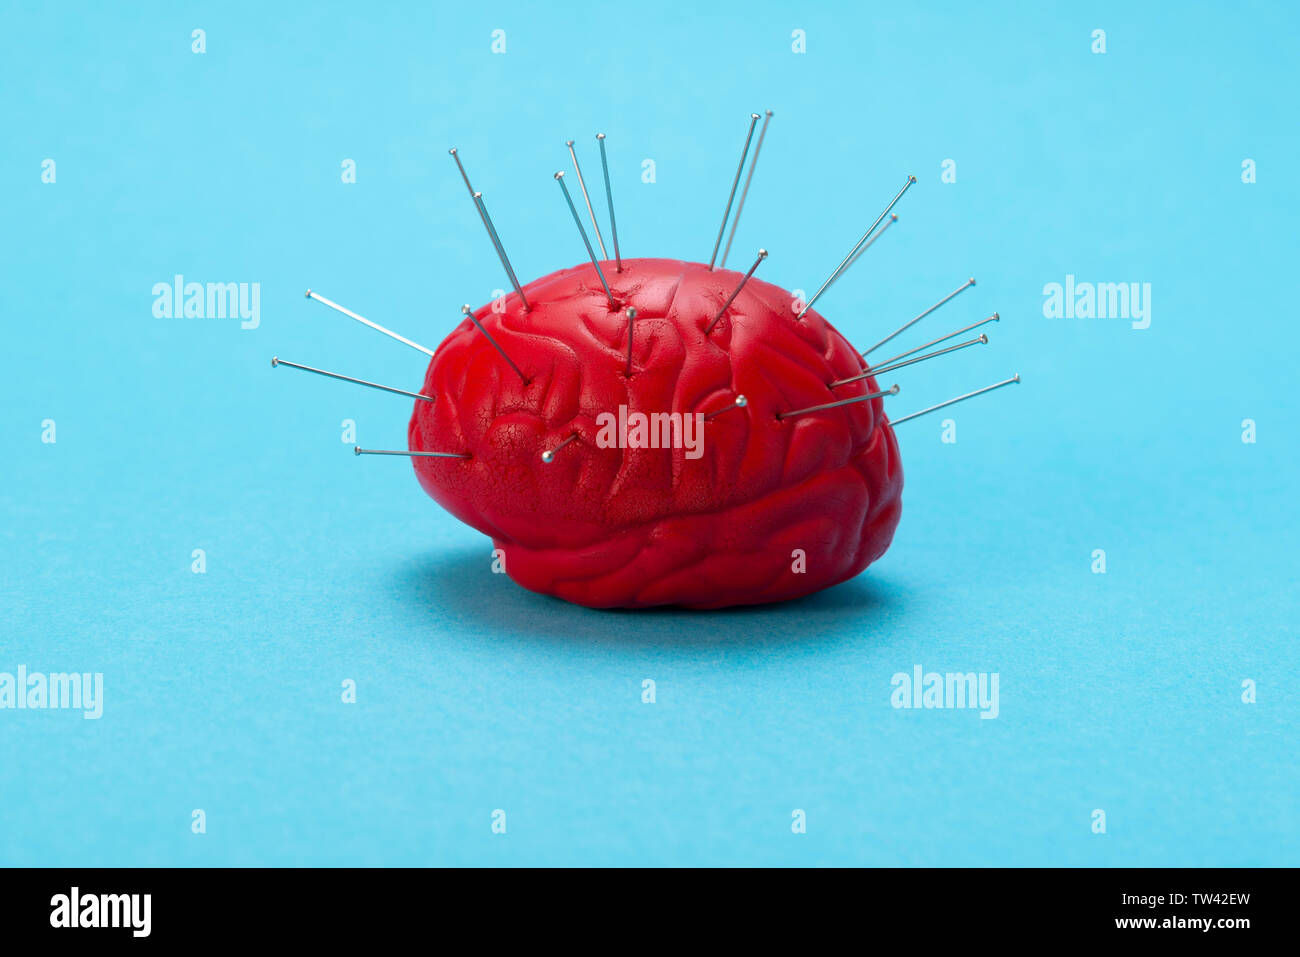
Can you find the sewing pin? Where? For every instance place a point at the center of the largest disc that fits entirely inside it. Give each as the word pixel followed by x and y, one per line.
pixel 277 361
pixel 631 327
pixel 979 340
pixel 892 390
pixel 740 403
pixel 609 195
pixel 758 148
pixel 362 319
pixel 587 199
pixel 559 178
pixel 549 455
pixel 474 319
pixel 753 118
pixel 358 450
pixel 491 229
pixel 762 254
pixel 908 325
pixel 969 395
pixel 852 252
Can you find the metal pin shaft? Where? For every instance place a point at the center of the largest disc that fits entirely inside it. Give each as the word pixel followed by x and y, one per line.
pixel 495 345
pixel 358 450
pixel 591 253
pixel 753 119
pixel 978 340
pixel 762 254
pixel 587 199
pixel 934 342
pixel 893 218
pixel 277 361
pixel 960 398
pixel 892 390
pixel 491 229
pixel 739 403
pixel 609 195
pixel 631 328
pixel 908 325
pixel 852 252
pixel 758 148
pixel 362 319
pixel 549 455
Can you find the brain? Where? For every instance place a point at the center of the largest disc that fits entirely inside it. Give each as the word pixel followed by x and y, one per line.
pixel 635 507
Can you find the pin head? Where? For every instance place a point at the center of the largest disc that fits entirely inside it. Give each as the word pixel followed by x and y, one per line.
pixel 548 456
pixel 568 142
pixel 274 362
pixel 762 254
pixel 741 401
pixel 560 174
pixel 307 294
pixel 356 450
pixel 600 136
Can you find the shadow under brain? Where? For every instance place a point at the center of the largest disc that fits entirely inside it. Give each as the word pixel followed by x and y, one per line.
pixel 457 586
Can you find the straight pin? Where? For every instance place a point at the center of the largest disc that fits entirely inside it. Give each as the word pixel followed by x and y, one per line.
pixel 893 218
pixel 277 361
pixel 908 325
pixel 501 250
pixel 969 395
pixel 852 252
pixel 491 230
pixel 762 254
pixel 892 390
pixel 362 319
pixel 587 199
pixel 870 242
pixel 753 119
pixel 758 148
pixel 549 455
pixel 559 178
pixel 981 339
pixel 609 195
pixel 495 345
pixel 740 403
pixel 631 327
pixel 934 342
pixel 358 450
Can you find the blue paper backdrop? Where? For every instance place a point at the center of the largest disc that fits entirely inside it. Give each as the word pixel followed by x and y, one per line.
pixel 1120 692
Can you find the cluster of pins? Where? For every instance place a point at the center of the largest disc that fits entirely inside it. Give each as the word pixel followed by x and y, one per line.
pixel 882 223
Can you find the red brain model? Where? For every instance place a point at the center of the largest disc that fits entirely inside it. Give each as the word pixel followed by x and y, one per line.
pixel 771 509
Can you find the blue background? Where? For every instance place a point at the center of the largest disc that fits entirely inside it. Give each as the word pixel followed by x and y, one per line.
pixel 1119 691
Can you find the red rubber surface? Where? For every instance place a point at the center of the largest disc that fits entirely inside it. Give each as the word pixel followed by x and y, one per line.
pixel 617 527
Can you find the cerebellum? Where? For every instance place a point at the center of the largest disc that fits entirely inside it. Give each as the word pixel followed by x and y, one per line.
pixel 756 508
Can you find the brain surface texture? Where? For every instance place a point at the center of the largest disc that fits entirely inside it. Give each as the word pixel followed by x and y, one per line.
pixel 743 507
